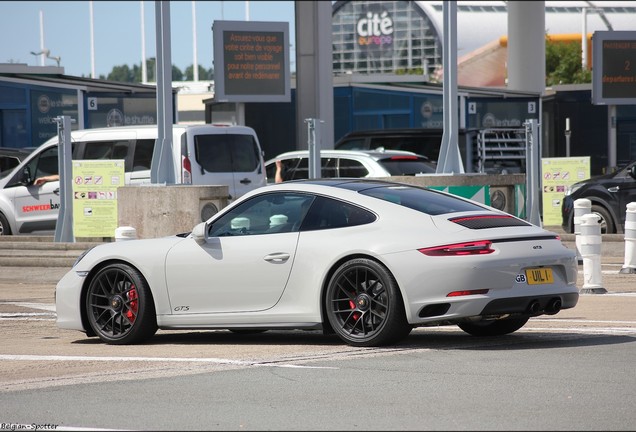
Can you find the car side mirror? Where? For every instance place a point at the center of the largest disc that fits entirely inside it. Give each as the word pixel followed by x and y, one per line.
pixel 632 172
pixel 198 233
pixel 25 176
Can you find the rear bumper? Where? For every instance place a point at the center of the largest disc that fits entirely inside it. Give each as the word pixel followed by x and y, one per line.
pixel 533 305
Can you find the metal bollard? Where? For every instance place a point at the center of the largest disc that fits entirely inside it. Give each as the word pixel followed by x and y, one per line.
pixel 125 233
pixel 591 252
pixel 582 207
pixel 630 239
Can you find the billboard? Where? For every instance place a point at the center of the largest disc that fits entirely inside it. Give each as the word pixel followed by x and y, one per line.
pixel 614 68
pixel 251 61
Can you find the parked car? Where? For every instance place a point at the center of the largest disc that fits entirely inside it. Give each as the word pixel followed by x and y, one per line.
pixel 609 195
pixel 364 258
pixel 349 163
pixel 201 155
pixel 422 141
pixel 11 158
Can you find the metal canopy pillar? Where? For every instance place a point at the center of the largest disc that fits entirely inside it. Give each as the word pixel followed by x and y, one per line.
pixel 162 166
pixel 526 46
pixel 314 70
pixel 450 160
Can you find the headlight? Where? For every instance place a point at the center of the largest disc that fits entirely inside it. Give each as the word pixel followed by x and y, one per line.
pixel 82 255
pixel 573 188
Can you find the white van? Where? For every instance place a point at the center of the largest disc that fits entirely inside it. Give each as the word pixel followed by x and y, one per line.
pixel 202 154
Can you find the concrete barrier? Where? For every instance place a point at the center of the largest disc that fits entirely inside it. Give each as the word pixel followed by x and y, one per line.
pixel 161 210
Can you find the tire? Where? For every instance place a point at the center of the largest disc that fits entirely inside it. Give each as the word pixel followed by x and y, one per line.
pixel 364 306
pixel 4 226
pixel 119 306
pixel 607 223
pixel 493 328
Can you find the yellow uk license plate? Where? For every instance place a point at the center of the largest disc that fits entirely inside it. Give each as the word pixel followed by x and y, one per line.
pixel 538 276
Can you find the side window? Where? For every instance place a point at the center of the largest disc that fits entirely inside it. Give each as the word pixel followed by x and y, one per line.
pixel 106 150
pixel 327 213
pixel 46 163
pixel 142 159
pixel 329 167
pixel 300 170
pixel 352 168
pixel 266 214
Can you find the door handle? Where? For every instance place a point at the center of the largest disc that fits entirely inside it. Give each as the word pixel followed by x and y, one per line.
pixel 613 189
pixel 56 191
pixel 246 181
pixel 277 258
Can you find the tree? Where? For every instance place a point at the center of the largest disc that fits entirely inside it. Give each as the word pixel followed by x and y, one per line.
pixel 563 63
pixel 121 74
pixel 204 75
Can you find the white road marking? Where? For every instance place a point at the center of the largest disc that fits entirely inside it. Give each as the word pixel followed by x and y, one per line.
pixel 584 330
pixel 11 357
pixel 581 321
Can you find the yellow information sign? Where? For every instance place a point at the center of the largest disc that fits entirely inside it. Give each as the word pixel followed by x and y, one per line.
pixel 95 184
pixel 558 174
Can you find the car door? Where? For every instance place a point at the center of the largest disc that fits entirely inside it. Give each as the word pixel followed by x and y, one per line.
pixel 36 208
pixel 626 192
pixel 245 262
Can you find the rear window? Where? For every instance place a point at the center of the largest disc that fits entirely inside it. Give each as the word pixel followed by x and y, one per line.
pixel 226 152
pixel 406 165
pixel 423 200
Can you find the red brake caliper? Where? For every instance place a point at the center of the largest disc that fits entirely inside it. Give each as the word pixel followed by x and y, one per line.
pixel 356 315
pixel 131 313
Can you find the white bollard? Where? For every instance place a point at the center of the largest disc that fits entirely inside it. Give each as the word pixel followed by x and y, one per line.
pixel 582 206
pixel 630 239
pixel 125 233
pixel 591 253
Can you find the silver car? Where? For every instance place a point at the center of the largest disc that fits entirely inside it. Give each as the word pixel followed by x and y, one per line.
pixel 351 164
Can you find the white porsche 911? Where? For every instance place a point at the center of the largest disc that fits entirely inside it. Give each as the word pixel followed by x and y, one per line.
pixel 368 260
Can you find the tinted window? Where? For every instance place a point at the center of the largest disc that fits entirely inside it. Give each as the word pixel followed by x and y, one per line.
pixel 398 165
pixel 326 213
pixel 142 159
pixel 106 150
pixel 226 152
pixel 352 168
pixel 423 200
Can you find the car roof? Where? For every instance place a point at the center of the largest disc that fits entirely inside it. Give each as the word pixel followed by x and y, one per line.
pixel 373 154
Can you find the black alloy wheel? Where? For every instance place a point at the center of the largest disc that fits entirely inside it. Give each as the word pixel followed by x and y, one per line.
pixel 119 305
pixel 606 222
pixel 4 225
pixel 364 305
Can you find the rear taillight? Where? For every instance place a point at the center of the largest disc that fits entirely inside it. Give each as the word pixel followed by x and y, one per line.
pixel 467 293
pixel 482 247
pixel 186 170
pixel 403 158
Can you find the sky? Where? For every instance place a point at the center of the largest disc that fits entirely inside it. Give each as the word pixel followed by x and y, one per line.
pixel 117 31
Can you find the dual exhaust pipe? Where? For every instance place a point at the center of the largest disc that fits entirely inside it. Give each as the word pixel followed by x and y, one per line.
pixel 552 307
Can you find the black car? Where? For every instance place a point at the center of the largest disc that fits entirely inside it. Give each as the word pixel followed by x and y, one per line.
pixel 11 158
pixel 609 195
